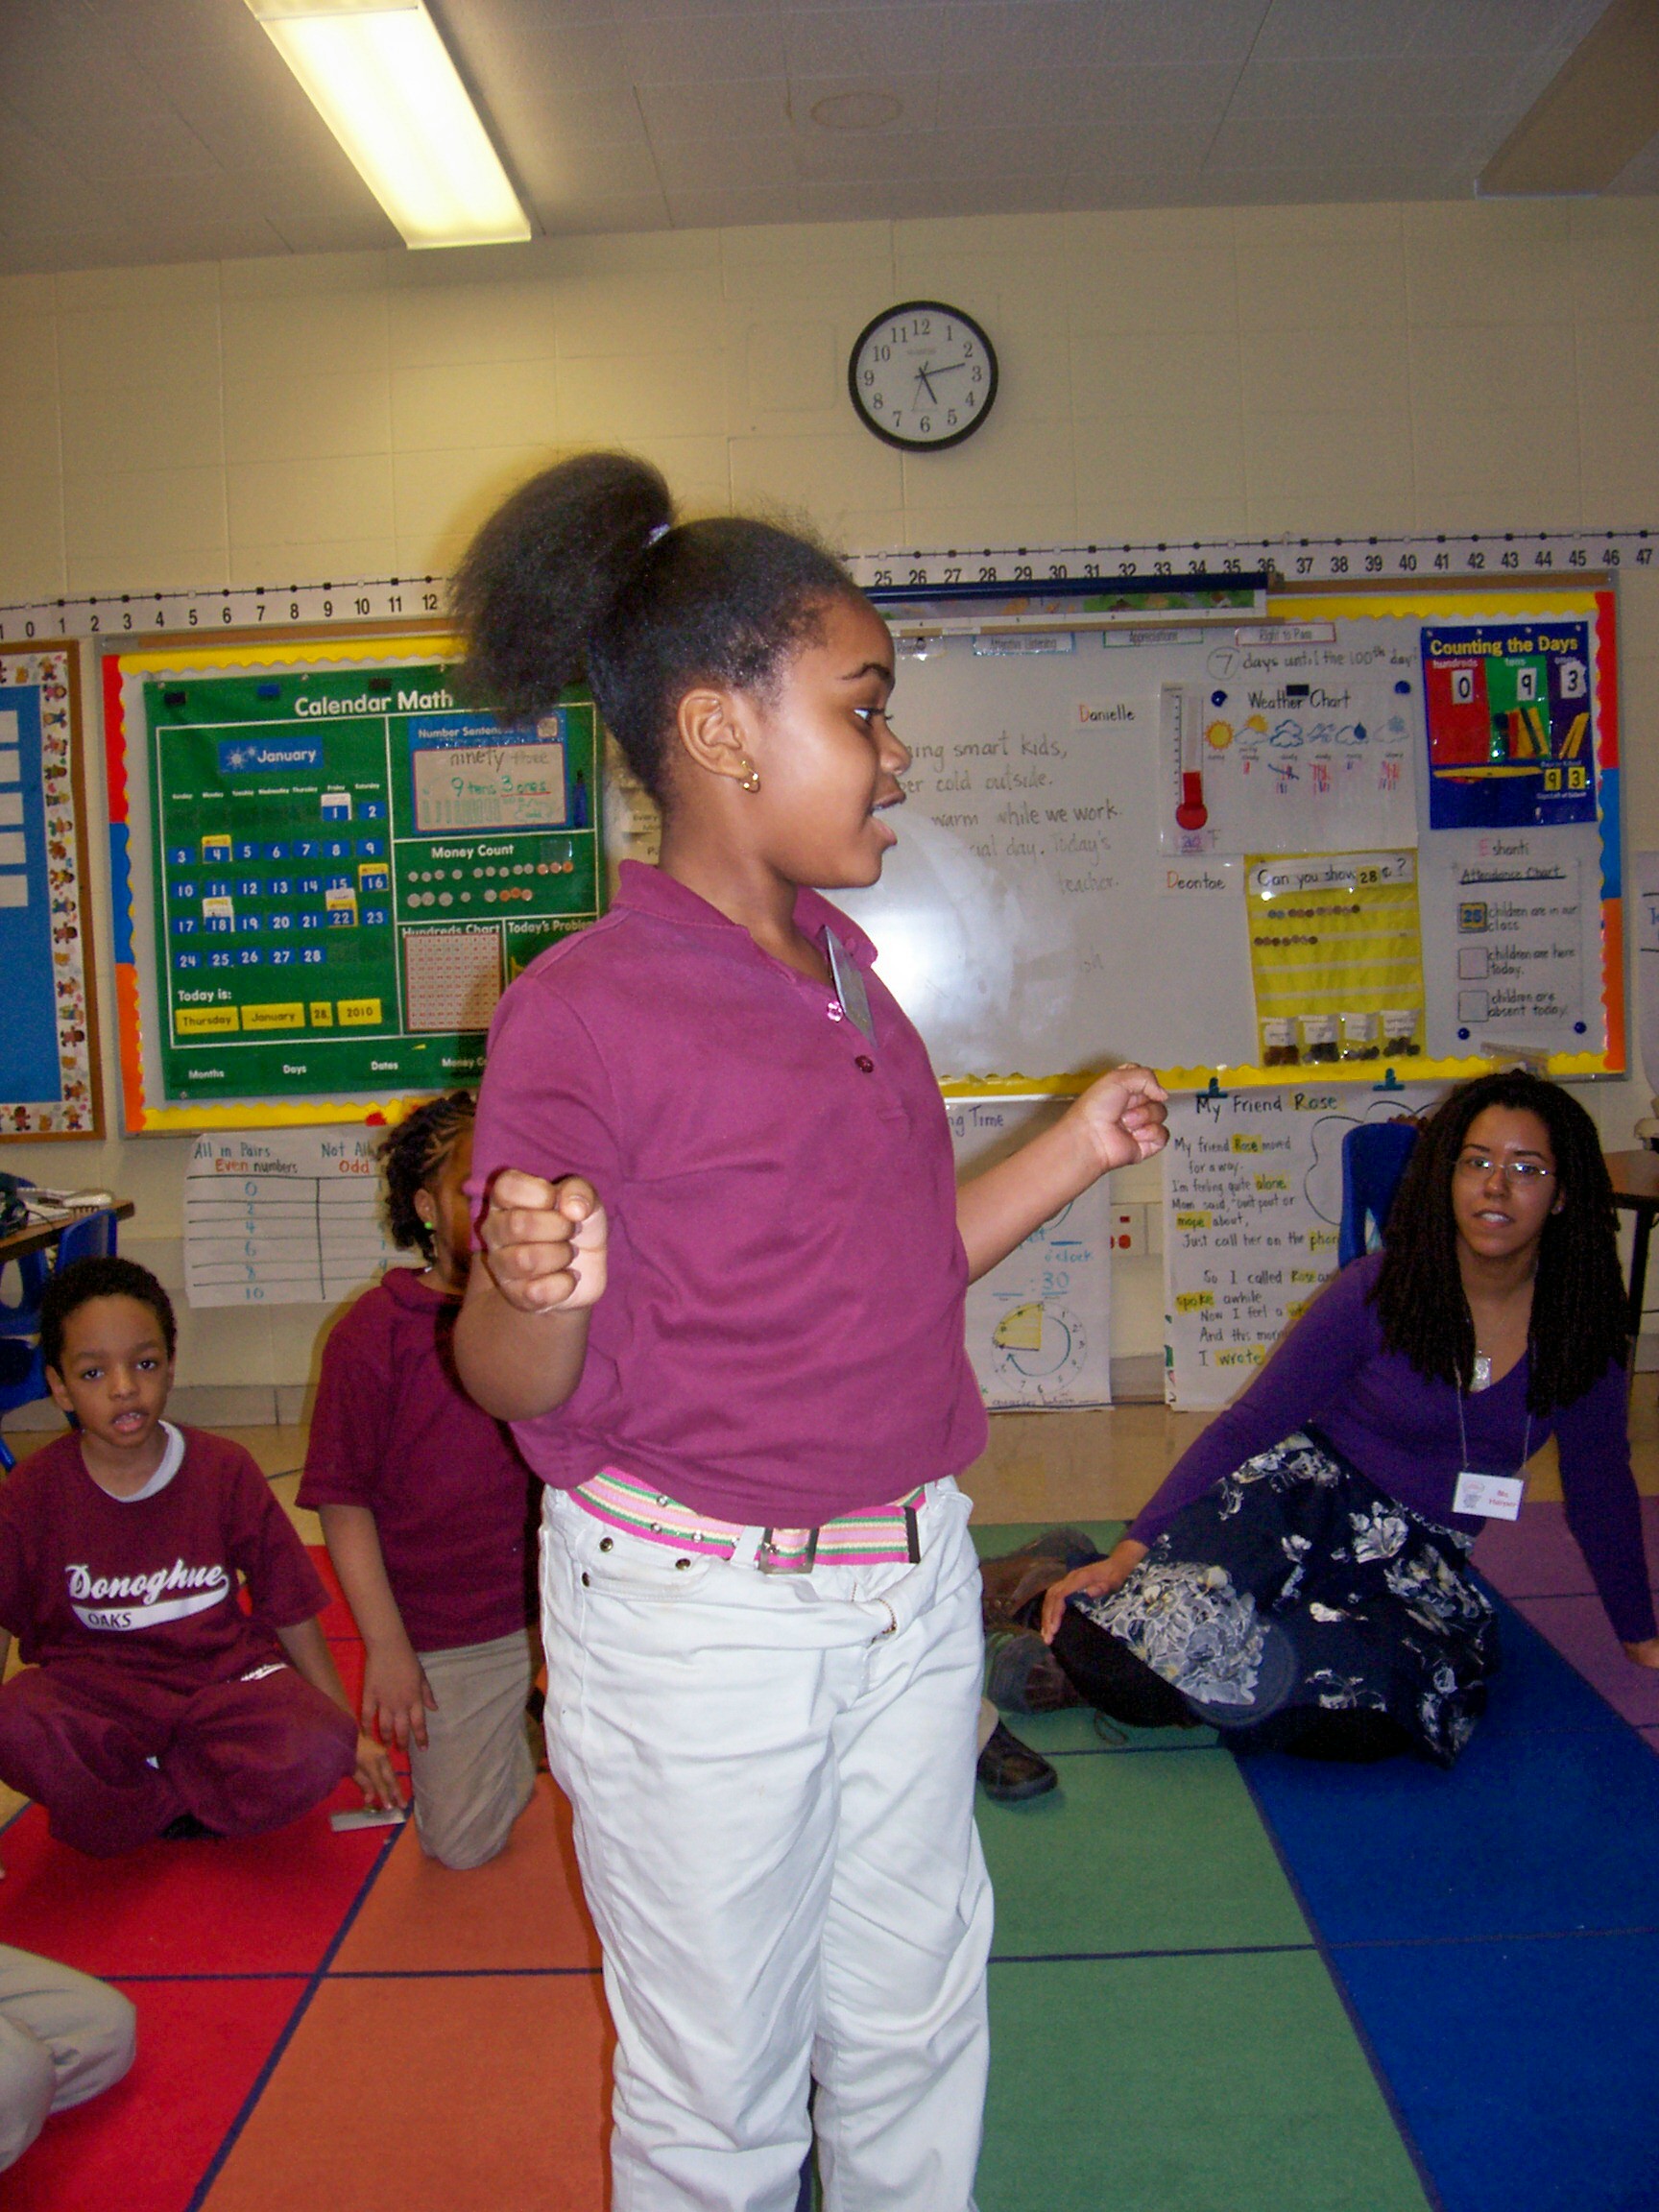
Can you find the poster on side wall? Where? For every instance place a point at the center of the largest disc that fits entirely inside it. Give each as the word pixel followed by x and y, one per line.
pixel 1252 1206
pixel 1039 1324
pixel 49 1039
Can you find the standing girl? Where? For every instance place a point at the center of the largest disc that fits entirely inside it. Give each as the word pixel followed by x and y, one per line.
pixel 424 1506
pixel 722 1305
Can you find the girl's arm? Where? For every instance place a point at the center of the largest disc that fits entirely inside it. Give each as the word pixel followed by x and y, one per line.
pixel 396 1696
pixel 308 1655
pixel 1117 1120
pixel 521 1334
pixel 1604 1512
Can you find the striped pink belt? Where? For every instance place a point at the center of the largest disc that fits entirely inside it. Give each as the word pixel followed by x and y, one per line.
pixel 886 1535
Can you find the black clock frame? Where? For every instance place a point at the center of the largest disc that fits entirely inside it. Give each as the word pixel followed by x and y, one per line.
pixel 920 444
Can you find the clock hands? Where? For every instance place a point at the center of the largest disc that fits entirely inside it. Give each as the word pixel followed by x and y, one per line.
pixel 927 371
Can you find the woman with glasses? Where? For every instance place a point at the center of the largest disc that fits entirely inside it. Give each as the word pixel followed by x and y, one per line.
pixel 1301 1579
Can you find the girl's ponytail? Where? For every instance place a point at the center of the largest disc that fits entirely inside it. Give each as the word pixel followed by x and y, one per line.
pixel 542 575
pixel 582 576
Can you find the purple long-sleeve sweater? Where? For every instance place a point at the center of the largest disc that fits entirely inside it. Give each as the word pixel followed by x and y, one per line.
pixel 1400 1429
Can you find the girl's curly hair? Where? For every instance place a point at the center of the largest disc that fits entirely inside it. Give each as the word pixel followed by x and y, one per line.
pixel 412 1154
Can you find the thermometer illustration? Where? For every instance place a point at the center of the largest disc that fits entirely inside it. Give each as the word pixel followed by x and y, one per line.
pixel 1192 813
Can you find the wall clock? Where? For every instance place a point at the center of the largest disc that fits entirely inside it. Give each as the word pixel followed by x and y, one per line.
pixel 923 375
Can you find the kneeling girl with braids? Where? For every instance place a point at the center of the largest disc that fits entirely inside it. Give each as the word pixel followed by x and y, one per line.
pixel 721 1302
pixel 427 1511
pixel 1300 1580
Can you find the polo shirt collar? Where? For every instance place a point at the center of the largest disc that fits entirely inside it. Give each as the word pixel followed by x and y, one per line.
pixel 649 892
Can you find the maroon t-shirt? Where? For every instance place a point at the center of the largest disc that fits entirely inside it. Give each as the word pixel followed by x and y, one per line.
pixel 150 1584
pixel 394 1431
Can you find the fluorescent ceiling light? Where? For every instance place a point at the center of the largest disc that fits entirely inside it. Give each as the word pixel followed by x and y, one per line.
pixel 379 76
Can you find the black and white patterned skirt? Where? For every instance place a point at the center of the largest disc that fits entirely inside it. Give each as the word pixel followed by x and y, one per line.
pixel 1295 1591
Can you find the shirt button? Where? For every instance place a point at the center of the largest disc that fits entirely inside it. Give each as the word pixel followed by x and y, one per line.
pixel 682 1563
pixel 586 1584
pixel 834 1012
pixel 606 1544
pixel 865 1062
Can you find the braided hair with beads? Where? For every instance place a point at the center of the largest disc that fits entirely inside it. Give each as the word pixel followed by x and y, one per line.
pixel 1579 1325
pixel 411 1155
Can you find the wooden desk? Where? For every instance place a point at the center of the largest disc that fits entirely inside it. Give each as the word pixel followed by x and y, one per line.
pixel 39 1235
pixel 1635 1180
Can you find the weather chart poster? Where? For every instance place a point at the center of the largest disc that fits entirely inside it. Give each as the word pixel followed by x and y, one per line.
pixel 1511 742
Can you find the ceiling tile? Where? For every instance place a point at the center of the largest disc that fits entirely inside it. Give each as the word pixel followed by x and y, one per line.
pixel 701 49
pixel 892 40
pixel 694 210
pixel 918 99
pixel 1196 98
pixel 1376 141
pixel 1020 34
pixel 1366 89
pixel 1341 30
pixel 1151 33
pixel 727 165
pixel 738 107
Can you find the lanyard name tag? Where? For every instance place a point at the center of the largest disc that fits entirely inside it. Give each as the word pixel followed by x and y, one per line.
pixel 1494 1497
pixel 850 985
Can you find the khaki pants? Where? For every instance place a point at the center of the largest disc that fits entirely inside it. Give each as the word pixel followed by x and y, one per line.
pixel 474 1777
pixel 63 2037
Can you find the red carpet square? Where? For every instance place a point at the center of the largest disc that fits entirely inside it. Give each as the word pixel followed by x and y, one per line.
pixel 145 2144
pixel 271 1905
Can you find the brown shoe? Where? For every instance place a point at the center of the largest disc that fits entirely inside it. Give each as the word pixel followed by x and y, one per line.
pixel 1017 1577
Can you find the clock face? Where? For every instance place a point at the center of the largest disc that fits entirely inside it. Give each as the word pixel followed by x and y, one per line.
pixel 923 375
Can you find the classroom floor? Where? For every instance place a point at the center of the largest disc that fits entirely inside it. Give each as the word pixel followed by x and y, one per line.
pixel 1217 1985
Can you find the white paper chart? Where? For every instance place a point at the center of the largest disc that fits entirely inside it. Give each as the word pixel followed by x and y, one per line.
pixel 1039 1325
pixel 1252 1206
pixel 284 1218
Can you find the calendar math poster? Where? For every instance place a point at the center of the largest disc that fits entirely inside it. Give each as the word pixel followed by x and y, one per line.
pixel 336 869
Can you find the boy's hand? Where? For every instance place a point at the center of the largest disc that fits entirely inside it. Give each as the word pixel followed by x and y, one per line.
pixel 1123 1116
pixel 545 1242
pixel 376 1775
pixel 396 1696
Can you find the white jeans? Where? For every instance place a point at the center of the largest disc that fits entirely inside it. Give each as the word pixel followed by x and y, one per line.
pixel 773 1786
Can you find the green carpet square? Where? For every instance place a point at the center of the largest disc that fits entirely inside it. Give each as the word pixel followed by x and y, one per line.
pixel 1231 2084
pixel 1157 1852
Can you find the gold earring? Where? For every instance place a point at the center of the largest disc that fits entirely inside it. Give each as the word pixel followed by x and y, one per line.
pixel 751 782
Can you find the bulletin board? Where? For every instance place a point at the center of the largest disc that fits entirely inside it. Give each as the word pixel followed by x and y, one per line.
pixel 49 1083
pixel 1360 834
pixel 325 869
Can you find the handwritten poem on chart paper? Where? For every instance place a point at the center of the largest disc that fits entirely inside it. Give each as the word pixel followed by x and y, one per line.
pixel 1253 1203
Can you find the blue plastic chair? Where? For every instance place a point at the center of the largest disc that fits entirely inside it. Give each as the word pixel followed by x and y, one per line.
pixel 22 1371
pixel 1374 1157
pixel 24 1318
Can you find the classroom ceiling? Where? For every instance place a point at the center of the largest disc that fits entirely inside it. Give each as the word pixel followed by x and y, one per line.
pixel 152 131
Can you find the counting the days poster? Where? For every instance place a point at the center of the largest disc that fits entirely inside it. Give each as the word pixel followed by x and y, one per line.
pixel 349 866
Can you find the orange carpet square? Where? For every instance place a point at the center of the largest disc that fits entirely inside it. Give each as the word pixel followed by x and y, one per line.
pixel 524 1908
pixel 486 2093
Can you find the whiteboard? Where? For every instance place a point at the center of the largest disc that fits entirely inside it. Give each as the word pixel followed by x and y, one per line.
pixel 1040 915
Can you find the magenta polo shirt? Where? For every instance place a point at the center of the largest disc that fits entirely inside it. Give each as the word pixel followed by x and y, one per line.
pixel 782 1337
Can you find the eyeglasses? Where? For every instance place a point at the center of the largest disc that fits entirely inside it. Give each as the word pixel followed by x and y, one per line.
pixel 1480 1164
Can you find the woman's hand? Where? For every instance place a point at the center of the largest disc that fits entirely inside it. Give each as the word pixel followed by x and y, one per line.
pixel 1645 1653
pixel 396 1696
pixel 1099 1579
pixel 545 1242
pixel 1121 1117
pixel 376 1776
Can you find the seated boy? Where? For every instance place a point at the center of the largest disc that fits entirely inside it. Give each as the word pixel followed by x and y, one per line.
pixel 156 1706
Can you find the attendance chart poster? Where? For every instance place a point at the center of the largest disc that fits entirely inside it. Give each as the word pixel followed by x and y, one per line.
pixel 338 870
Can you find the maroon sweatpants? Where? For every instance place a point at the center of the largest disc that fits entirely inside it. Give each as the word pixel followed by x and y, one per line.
pixel 242 1756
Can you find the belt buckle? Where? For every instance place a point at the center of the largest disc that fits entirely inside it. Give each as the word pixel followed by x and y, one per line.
pixel 787 1550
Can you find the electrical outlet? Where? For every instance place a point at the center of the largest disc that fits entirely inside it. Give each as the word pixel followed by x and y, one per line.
pixel 1127 1226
